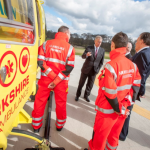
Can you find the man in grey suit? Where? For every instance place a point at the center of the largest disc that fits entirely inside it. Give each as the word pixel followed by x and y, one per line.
pixel 94 56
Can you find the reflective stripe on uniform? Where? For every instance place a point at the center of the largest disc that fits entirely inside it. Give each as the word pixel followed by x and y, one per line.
pixel 70 62
pixel 106 148
pixel 111 69
pixel 37 119
pixel 61 76
pixel 44 46
pixel 103 88
pixel 125 87
pixel 36 124
pixel 60 125
pixel 61 120
pixel 67 78
pixel 56 61
pixel 69 52
pixel 105 111
pixel 130 99
pixel 109 91
pixel 111 147
pixel 41 57
pixel 123 110
pixel 48 71
pixel 137 82
pixel 119 88
pixel 43 74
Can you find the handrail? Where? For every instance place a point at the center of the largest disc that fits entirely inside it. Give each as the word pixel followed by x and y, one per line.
pixel 42 2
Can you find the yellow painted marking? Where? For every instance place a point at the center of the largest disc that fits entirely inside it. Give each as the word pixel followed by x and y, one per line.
pixel 139 110
pixel 67 90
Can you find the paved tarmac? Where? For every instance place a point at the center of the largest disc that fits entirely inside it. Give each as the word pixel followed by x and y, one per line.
pixel 80 120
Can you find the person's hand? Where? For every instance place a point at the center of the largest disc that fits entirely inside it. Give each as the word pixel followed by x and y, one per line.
pixel 142 96
pixel 51 85
pixel 127 114
pixel 118 113
pixel 88 54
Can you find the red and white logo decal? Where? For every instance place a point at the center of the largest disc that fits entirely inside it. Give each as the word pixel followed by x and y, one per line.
pixel 9 61
pixel 24 60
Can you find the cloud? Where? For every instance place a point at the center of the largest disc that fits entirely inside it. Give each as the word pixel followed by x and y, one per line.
pixel 53 22
pixel 104 17
pixel 60 20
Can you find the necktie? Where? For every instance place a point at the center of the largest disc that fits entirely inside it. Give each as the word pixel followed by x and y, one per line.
pixel 96 52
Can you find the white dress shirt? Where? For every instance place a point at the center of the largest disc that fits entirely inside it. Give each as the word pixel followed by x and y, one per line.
pixel 95 49
pixel 143 48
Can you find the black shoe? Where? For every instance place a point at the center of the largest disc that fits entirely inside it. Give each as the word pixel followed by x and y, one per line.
pixel 59 129
pixel 85 149
pixel 37 130
pixel 87 99
pixel 56 148
pixel 121 139
pixel 76 98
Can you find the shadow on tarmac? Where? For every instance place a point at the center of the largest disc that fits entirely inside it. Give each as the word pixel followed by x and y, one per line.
pixel 139 137
pixel 81 111
pixel 67 139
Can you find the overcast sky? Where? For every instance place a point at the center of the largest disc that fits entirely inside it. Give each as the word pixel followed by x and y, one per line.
pixel 99 16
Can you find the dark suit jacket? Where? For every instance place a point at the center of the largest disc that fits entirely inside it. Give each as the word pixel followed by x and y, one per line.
pixel 142 60
pixel 129 56
pixel 91 62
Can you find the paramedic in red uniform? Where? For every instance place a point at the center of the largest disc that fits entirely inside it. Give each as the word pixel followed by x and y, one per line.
pixel 56 59
pixel 119 85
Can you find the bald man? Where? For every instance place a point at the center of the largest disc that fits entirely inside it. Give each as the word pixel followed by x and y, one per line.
pixel 128 50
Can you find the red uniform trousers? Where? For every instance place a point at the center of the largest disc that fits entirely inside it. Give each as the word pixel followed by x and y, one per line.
pixel 107 129
pixel 60 94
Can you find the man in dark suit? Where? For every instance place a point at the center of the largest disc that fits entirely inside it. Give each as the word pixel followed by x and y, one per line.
pixel 94 56
pixel 142 60
pixel 129 47
pixel 124 131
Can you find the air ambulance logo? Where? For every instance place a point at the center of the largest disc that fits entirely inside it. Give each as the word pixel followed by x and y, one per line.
pixel 24 60
pixel 8 66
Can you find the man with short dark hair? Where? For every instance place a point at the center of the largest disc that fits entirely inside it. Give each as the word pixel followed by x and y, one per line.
pixel 56 59
pixel 117 83
pixel 142 60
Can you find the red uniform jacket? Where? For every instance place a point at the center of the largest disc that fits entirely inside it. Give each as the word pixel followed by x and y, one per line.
pixel 120 82
pixel 56 58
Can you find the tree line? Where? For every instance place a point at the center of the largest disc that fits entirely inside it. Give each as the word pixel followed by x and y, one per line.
pixel 86 39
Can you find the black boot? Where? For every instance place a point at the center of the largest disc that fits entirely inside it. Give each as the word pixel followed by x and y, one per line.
pixel 76 98
pixel 37 130
pixel 59 129
pixel 86 98
pixel 56 148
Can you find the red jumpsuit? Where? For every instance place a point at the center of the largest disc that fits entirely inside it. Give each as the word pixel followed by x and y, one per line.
pixel 118 88
pixel 56 58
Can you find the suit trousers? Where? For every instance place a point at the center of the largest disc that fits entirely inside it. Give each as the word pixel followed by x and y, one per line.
pixel 91 78
pixel 124 131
